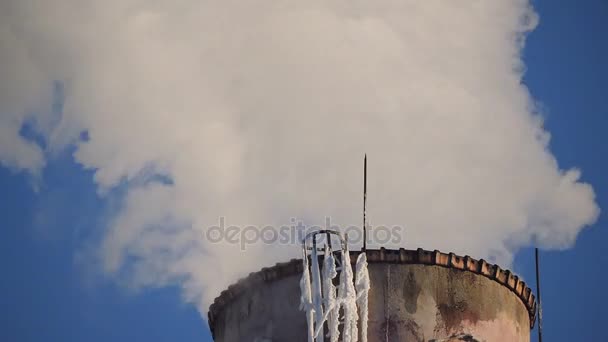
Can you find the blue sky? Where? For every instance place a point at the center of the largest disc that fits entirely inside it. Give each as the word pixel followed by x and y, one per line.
pixel 565 57
pixel 49 292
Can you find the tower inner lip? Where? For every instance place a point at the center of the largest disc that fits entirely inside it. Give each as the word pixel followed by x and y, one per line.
pixel 385 256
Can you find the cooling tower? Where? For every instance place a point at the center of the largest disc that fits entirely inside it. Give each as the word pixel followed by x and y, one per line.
pixel 415 295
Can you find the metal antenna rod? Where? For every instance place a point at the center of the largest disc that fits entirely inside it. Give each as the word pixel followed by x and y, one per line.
pixel 540 310
pixel 364 202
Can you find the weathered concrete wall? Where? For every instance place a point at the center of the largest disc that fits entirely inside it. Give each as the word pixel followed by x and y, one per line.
pixel 264 313
pixel 426 303
pixel 411 300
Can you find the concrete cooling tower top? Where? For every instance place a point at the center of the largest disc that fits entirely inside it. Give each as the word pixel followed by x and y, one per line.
pixel 415 295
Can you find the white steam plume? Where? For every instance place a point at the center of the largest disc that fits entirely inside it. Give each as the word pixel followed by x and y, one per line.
pixel 261 111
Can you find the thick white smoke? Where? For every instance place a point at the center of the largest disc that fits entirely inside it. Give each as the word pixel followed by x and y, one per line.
pixel 261 111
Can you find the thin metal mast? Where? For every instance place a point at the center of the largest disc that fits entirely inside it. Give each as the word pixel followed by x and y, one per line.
pixel 540 310
pixel 364 202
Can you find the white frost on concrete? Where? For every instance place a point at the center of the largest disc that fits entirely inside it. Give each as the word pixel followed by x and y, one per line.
pixel 332 307
pixel 305 298
pixel 317 297
pixel 362 286
pixel 348 299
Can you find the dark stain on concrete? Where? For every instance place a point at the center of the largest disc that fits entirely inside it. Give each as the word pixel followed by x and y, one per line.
pixel 390 330
pixel 457 338
pixel 413 332
pixel 411 291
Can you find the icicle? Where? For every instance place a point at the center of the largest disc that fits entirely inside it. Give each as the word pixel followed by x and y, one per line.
pixel 348 298
pixel 317 298
pixel 329 294
pixel 305 298
pixel 362 286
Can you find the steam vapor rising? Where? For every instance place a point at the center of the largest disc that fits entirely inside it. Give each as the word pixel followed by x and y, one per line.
pixel 261 111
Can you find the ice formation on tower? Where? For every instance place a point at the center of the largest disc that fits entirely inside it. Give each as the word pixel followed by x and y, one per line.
pixel 306 300
pixel 329 295
pixel 319 298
